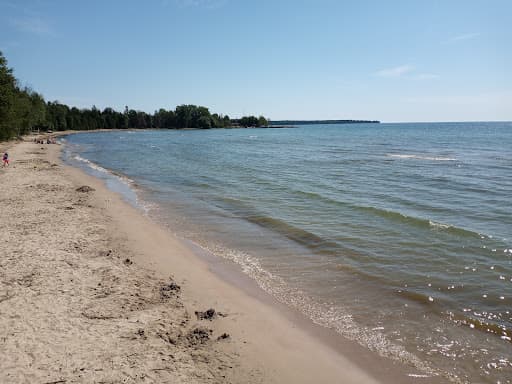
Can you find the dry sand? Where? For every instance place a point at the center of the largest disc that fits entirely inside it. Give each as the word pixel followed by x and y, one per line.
pixel 92 291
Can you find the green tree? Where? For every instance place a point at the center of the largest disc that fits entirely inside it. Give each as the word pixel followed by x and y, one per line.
pixel 249 121
pixel 109 117
pixel 201 117
pixel 262 122
pixel 7 98
pixel 57 116
pixel 183 116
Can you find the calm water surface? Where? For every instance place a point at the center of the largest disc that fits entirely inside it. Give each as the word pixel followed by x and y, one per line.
pixel 398 236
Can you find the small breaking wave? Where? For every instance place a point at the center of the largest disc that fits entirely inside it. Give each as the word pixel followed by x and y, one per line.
pixel 436 225
pixel 99 168
pixel 420 222
pixel 420 157
pixel 90 164
pixel 471 320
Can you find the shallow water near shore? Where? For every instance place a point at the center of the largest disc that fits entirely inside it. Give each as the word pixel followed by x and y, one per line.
pixel 398 236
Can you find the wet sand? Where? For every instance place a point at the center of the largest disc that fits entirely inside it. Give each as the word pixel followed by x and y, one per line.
pixel 91 290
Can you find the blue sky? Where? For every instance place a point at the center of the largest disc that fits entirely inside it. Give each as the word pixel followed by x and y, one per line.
pixel 397 60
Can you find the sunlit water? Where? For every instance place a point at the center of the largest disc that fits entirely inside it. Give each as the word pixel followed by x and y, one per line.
pixel 398 236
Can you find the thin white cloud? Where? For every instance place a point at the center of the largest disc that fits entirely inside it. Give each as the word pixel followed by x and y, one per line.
pixel 35 25
pixel 426 76
pixel 395 71
pixel 463 37
pixel 405 71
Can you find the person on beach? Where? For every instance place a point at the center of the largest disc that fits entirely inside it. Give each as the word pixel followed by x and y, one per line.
pixel 5 159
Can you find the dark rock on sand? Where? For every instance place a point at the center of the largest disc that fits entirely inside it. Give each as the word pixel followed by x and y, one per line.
pixel 141 333
pixel 105 253
pixel 224 336
pixel 199 335
pixel 168 290
pixel 209 314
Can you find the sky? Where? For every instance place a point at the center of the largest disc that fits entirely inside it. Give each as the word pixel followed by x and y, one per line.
pixel 393 61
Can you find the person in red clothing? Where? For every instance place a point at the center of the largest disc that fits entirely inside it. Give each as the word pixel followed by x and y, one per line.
pixel 5 159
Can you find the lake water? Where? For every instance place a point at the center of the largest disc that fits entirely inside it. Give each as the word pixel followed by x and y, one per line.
pixel 398 236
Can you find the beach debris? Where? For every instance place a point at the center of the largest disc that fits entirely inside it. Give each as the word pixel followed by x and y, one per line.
pixel 141 333
pixel 199 335
pixel 194 337
pixel 85 189
pixel 168 290
pixel 127 261
pixel 224 336
pixel 96 316
pixel 105 253
pixel 209 314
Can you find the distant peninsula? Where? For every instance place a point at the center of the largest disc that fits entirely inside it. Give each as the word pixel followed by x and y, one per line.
pixel 315 122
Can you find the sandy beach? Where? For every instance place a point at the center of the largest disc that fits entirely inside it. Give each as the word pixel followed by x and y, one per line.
pixel 92 291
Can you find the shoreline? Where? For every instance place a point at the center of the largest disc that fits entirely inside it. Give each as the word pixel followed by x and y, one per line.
pixel 268 341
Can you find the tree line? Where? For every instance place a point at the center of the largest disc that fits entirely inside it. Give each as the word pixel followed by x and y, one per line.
pixel 23 110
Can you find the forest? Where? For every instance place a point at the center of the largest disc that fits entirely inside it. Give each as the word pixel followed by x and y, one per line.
pixel 23 110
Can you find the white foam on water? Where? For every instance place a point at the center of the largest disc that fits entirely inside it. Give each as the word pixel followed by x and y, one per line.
pixel 146 206
pixel 99 168
pixel 90 164
pixel 437 225
pixel 420 157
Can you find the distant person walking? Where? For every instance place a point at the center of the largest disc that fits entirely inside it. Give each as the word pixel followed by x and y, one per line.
pixel 5 159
